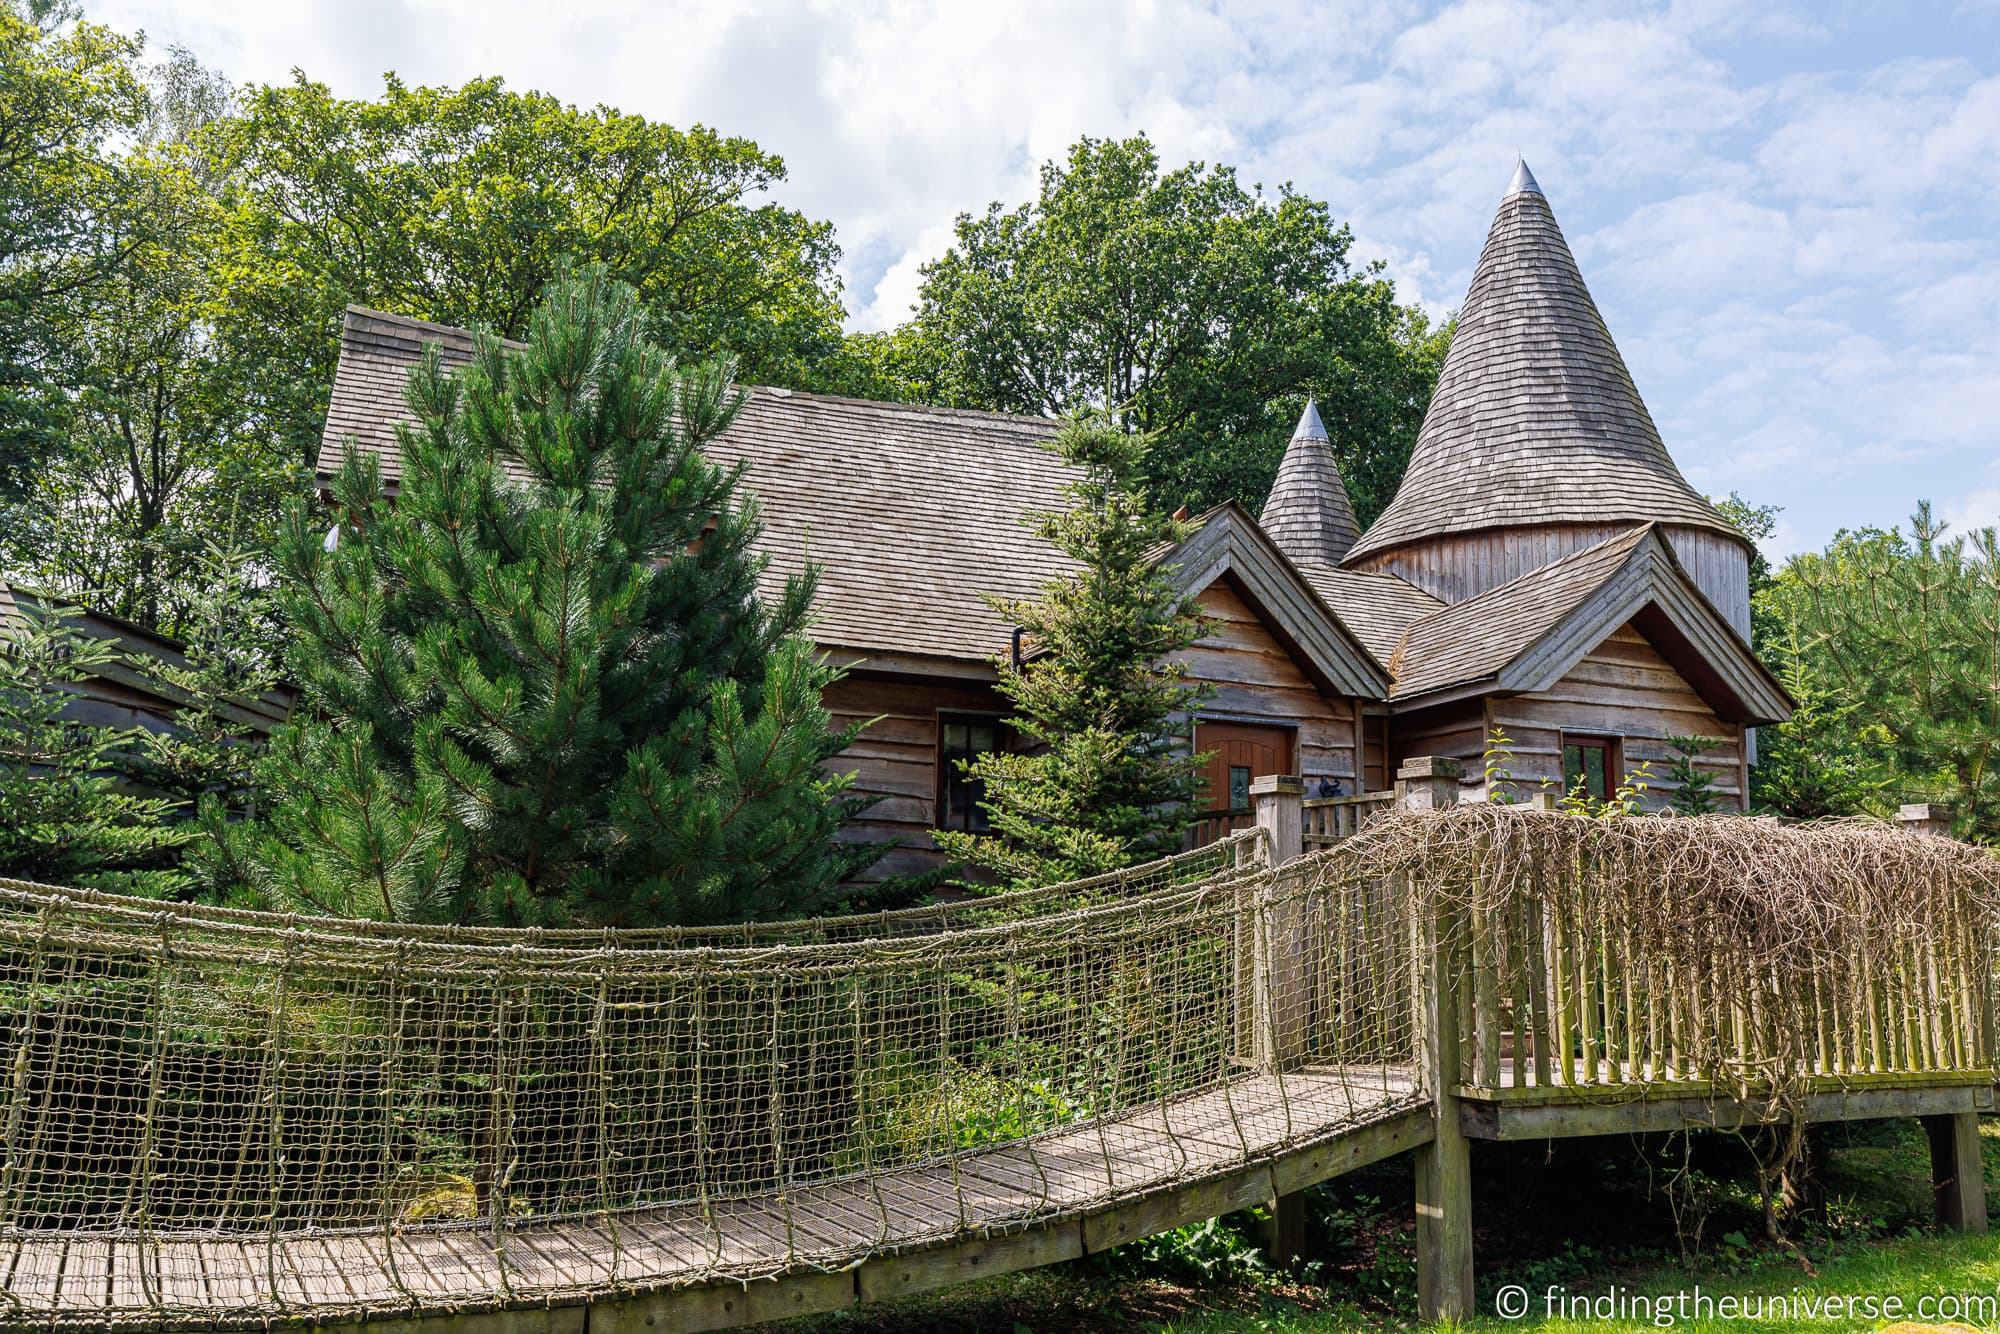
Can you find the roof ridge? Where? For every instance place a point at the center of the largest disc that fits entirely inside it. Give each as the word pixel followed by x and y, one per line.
pixel 455 331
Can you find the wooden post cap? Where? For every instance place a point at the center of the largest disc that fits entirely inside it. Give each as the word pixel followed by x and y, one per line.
pixel 1277 785
pixel 1419 767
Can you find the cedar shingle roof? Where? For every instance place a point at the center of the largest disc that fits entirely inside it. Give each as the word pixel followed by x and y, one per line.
pixel 1476 638
pixel 1523 635
pixel 1377 606
pixel 1535 419
pixel 1308 514
pixel 912 513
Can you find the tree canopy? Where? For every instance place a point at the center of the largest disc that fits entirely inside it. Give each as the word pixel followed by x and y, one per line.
pixel 1200 311
pixel 1895 637
pixel 461 204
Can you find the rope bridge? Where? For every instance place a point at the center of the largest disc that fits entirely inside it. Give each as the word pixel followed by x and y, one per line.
pixel 214 1118
pixel 210 1113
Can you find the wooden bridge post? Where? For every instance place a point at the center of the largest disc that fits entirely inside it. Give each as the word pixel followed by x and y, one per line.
pixel 1925 817
pixel 1958 1172
pixel 1280 805
pixel 1444 1166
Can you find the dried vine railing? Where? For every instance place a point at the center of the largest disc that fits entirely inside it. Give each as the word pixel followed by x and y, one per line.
pixel 1740 954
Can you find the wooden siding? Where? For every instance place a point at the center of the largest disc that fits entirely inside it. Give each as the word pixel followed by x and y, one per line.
pixel 1463 565
pixel 126 693
pixel 1256 681
pixel 896 758
pixel 1622 689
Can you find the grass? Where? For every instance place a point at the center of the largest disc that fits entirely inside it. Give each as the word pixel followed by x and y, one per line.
pixel 1647 1218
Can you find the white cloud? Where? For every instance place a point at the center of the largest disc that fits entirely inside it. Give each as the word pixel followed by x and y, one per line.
pixel 1786 212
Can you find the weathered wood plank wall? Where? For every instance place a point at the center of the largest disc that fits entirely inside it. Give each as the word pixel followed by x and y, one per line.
pixel 1622 688
pixel 1256 681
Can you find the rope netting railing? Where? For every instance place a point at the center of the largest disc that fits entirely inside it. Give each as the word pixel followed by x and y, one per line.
pixel 210 1117
pixel 1244 852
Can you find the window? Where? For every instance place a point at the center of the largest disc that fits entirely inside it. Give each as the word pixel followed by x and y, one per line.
pixel 961 736
pixel 1588 760
pixel 1239 787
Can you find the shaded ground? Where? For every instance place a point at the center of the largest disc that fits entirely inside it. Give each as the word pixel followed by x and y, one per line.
pixel 1654 1216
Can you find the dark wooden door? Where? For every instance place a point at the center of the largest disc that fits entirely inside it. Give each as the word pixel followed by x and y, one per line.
pixel 1237 753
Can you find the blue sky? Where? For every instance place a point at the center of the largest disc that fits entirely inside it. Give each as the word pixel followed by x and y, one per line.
pixel 1789 214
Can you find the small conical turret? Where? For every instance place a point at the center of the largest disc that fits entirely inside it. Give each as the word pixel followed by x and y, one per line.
pixel 1308 514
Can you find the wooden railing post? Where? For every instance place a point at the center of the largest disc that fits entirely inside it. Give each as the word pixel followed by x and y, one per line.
pixel 1925 817
pixel 1281 982
pixel 1444 1166
pixel 1958 1177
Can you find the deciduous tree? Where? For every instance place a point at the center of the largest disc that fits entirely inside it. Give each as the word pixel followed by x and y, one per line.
pixel 461 205
pixel 1201 311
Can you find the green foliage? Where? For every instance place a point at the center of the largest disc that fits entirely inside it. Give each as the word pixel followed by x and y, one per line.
pixel 68 90
pixel 1105 778
pixel 163 455
pixel 231 653
pixel 64 817
pixel 1628 798
pixel 1827 759
pixel 1893 643
pixel 547 688
pixel 1202 312
pixel 1498 768
pixel 1694 787
pixel 461 204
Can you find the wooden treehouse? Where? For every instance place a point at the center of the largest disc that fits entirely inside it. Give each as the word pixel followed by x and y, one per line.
pixel 1544 569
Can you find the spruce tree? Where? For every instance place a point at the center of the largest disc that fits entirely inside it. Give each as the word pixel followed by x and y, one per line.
pixel 540 686
pixel 1103 775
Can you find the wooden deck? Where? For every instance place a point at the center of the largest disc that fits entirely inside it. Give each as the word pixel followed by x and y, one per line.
pixel 1064 1190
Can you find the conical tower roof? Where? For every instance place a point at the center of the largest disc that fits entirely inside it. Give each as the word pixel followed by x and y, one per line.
pixel 1535 420
pixel 1308 514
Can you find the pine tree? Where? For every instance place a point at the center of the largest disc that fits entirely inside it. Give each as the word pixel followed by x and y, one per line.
pixel 546 690
pixel 1104 777
pixel 66 816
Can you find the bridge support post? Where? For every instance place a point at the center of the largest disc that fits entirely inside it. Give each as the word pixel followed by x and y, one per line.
pixel 1958 1174
pixel 1444 1166
pixel 1279 801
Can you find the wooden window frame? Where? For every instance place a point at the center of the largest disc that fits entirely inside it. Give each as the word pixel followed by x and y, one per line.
pixel 1614 757
pixel 940 765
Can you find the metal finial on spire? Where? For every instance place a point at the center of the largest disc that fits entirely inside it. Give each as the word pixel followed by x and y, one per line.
pixel 1310 427
pixel 1524 180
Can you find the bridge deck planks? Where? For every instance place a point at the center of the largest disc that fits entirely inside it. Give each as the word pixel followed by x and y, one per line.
pixel 216 1282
